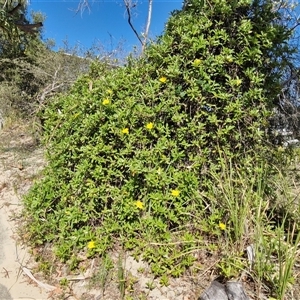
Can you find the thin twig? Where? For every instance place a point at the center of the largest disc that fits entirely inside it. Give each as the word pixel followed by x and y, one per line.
pixel 6 273
pixel 174 243
pixel 127 5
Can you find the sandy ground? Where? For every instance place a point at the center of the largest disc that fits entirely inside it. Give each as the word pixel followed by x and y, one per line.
pixel 19 163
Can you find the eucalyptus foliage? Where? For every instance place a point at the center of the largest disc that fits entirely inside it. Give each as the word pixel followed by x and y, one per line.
pixel 18 57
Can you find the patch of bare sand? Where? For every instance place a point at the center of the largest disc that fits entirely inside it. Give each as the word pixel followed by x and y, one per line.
pixel 19 163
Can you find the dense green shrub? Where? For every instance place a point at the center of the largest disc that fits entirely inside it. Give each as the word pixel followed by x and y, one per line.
pixel 132 151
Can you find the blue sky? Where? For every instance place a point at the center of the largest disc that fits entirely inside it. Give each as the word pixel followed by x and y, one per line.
pixel 105 23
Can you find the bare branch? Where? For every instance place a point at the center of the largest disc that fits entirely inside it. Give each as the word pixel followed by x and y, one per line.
pixel 128 9
pixel 29 28
pixel 294 27
pixel 4 4
pixel 129 5
pixel 146 34
pixel 82 6
pixel 14 10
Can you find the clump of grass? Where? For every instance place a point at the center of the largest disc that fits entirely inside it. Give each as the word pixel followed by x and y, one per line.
pixel 258 216
pixel 103 273
pixel 121 276
pixel 277 238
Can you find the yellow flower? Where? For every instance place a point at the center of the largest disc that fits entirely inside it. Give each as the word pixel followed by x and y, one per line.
pixel 139 204
pixel 125 130
pixel 237 82
pixel 91 245
pixel 105 101
pixel 109 92
pixel 163 79
pixel 175 193
pixel 149 126
pixel 229 58
pixel 222 226
pixel 197 62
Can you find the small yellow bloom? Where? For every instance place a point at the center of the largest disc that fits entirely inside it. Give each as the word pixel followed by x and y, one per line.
pixel 229 58
pixel 91 245
pixel 222 226
pixel 125 130
pixel 139 204
pixel 175 193
pixel 237 82
pixel 109 92
pixel 105 101
pixel 163 79
pixel 197 62
pixel 149 126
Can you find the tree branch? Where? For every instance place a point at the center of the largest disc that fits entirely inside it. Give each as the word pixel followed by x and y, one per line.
pixel 13 11
pixel 82 6
pixel 29 28
pixel 127 5
pixel 150 2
